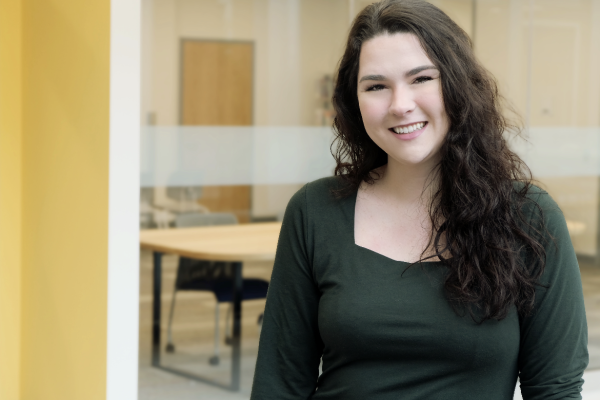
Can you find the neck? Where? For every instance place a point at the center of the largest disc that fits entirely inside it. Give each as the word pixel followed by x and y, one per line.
pixel 407 183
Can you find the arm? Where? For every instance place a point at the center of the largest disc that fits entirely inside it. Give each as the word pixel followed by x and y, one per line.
pixel 290 344
pixel 553 351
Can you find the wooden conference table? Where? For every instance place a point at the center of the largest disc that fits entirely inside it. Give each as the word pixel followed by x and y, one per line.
pixel 232 243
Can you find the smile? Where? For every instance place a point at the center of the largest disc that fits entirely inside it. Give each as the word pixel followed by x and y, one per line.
pixel 408 128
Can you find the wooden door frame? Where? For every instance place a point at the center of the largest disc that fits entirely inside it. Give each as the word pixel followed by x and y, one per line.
pixel 182 42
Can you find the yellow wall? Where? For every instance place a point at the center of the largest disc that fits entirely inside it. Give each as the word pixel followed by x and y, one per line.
pixel 10 197
pixel 54 130
pixel 53 211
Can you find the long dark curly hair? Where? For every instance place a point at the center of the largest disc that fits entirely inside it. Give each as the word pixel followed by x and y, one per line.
pixel 493 253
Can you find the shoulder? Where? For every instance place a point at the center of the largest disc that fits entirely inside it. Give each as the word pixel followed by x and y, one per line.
pixel 321 211
pixel 317 193
pixel 538 204
pixel 325 185
pixel 313 211
pixel 545 221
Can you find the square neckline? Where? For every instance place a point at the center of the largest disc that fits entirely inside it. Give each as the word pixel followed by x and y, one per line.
pixel 352 206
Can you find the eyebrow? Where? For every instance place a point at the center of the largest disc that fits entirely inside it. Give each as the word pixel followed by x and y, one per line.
pixel 410 73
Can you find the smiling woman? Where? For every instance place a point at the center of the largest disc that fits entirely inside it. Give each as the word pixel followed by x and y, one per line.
pixel 430 266
pixel 400 99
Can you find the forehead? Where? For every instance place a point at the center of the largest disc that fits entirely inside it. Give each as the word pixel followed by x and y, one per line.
pixel 387 53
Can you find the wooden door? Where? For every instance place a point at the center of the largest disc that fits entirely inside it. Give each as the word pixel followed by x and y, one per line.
pixel 217 90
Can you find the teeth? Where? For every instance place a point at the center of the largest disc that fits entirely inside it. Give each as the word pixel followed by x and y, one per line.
pixel 409 129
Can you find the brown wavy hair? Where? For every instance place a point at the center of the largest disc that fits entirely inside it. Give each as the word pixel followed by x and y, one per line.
pixel 479 230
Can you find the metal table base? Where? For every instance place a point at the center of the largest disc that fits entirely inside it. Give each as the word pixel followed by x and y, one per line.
pixel 236 334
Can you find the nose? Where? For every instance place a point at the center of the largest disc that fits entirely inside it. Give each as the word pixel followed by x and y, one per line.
pixel 403 102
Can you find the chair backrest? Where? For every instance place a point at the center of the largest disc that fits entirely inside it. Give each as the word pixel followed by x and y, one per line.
pixel 198 274
pixel 198 219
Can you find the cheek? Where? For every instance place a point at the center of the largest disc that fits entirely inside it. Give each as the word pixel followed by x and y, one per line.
pixel 434 104
pixel 372 110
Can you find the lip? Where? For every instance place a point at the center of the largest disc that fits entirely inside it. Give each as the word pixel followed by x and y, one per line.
pixel 412 135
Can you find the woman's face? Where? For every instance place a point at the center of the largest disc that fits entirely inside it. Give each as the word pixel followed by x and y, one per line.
pixel 400 99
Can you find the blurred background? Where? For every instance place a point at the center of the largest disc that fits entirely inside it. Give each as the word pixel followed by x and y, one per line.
pixel 236 116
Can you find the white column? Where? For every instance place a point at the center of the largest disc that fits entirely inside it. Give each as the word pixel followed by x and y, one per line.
pixel 124 189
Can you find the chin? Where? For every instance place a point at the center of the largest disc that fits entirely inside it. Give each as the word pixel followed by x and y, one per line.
pixel 411 161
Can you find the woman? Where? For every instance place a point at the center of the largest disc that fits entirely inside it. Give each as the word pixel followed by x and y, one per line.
pixel 429 267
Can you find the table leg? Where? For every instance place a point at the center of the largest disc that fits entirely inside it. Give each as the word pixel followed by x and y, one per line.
pixel 156 303
pixel 237 325
pixel 236 334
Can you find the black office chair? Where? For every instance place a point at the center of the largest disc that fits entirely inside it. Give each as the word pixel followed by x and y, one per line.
pixel 216 277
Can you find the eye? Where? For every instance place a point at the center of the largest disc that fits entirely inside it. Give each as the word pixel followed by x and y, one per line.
pixel 422 79
pixel 374 88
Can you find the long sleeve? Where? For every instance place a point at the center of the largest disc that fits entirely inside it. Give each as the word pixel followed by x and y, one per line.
pixel 290 345
pixel 553 351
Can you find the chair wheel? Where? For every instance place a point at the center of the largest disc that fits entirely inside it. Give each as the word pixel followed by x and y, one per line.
pixel 170 348
pixel 228 340
pixel 214 360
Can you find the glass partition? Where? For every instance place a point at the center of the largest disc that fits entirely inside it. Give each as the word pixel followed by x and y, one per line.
pixel 546 54
pixel 236 116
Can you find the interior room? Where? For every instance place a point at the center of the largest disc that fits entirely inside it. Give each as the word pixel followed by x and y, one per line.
pixel 236 116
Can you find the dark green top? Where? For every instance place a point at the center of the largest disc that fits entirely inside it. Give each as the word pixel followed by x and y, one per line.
pixel 387 332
